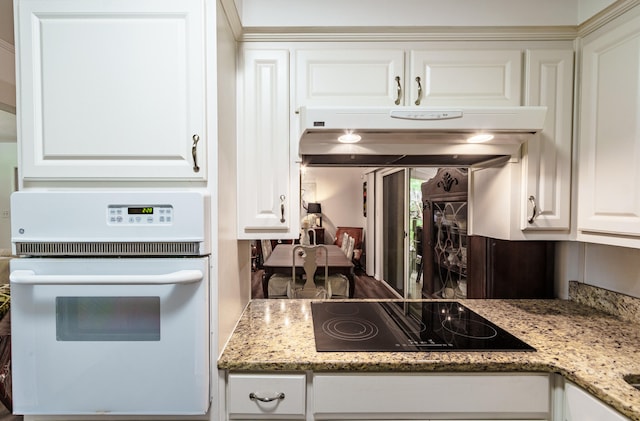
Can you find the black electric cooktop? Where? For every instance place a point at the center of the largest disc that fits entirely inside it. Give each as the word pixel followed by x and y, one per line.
pixel 407 326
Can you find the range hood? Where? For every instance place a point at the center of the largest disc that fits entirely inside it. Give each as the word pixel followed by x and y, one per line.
pixel 415 136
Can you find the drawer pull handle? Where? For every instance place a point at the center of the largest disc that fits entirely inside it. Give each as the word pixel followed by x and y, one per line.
pixel 398 91
pixel 255 397
pixel 534 212
pixel 419 90
pixel 194 152
pixel 282 199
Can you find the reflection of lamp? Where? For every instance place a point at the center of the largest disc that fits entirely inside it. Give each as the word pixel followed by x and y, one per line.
pixel 315 209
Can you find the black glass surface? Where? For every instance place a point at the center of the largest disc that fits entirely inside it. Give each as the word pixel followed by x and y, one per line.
pixel 407 326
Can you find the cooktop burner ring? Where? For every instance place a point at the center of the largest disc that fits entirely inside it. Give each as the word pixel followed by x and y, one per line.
pixel 492 332
pixel 350 328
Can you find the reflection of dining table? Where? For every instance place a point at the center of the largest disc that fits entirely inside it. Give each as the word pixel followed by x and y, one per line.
pixel 281 261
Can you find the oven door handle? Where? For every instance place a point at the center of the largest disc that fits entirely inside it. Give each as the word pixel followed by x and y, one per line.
pixel 28 277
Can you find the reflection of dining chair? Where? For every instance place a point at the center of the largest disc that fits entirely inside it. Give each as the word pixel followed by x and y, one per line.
pixel 342 240
pixel 309 254
pixel 349 252
pixel 278 284
pixel 266 249
pixel 317 285
pixel 337 286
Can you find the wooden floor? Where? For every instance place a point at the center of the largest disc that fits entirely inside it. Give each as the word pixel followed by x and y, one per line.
pixel 365 286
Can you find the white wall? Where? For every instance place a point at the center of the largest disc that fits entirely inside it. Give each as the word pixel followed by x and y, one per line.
pixel 8 161
pixel 290 13
pixel 6 21
pixel 339 192
pixel 232 260
pixel 7 54
pixel 588 8
pixel 613 268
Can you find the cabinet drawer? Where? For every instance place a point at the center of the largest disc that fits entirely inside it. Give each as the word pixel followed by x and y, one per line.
pixel 245 392
pixel 503 396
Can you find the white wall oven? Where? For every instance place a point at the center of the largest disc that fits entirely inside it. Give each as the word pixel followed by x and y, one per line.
pixel 110 303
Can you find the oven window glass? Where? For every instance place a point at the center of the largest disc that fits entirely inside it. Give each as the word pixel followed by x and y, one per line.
pixel 108 318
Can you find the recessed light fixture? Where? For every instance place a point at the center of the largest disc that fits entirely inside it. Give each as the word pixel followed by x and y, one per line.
pixel 349 137
pixel 480 138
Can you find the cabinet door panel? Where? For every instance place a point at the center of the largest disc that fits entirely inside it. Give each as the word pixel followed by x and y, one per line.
pixel 348 77
pixel 265 193
pixel 547 160
pixel 469 77
pixel 609 176
pixel 111 90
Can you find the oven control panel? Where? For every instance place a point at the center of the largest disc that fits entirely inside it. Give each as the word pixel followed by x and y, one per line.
pixel 140 215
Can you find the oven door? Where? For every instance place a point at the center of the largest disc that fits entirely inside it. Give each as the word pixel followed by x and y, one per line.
pixel 110 336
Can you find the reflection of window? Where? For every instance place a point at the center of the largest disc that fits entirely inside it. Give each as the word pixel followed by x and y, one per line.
pixel 108 318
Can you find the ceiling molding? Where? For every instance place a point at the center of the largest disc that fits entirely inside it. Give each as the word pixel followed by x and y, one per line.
pixel 608 14
pixel 448 33
pixel 427 33
pixel 233 17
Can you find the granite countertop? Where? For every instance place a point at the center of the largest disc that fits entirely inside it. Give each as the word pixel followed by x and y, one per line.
pixel 589 347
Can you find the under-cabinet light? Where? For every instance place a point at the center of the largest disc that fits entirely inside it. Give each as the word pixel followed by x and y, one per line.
pixel 349 137
pixel 480 138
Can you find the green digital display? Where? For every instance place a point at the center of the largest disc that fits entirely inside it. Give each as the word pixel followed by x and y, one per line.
pixel 147 210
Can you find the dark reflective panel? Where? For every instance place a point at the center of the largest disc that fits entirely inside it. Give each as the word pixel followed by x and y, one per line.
pixel 401 326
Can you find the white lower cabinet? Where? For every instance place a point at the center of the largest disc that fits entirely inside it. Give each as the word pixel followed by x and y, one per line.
pixel 389 396
pixel 431 396
pixel 264 396
pixel 582 406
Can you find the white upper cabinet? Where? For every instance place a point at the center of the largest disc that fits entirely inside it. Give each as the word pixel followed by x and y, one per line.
pixel 465 77
pixel 268 176
pixel 358 77
pixel 430 75
pixel 530 198
pixel 363 76
pixel 111 90
pixel 546 195
pixel 609 148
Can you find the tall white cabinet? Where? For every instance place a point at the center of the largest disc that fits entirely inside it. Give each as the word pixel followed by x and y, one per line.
pixel 609 148
pixel 111 90
pixel 268 180
pixel 529 198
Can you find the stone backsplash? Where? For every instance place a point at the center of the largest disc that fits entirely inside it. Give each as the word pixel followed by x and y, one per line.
pixel 624 306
